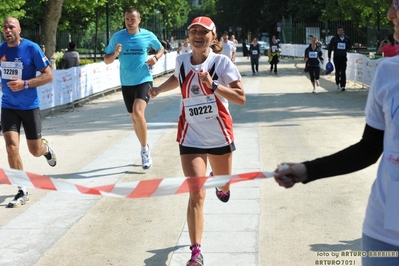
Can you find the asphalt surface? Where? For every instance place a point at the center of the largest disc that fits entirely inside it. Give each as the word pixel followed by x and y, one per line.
pixel 262 224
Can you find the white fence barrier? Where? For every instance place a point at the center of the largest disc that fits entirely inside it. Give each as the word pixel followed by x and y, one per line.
pixel 77 83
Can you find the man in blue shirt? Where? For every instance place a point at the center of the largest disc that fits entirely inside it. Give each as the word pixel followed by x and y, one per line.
pixel 20 59
pixel 130 47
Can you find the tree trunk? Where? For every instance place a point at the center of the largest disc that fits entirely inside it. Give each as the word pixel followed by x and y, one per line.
pixel 96 45
pixel 49 28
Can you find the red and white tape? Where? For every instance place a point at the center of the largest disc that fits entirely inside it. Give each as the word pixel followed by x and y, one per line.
pixel 137 189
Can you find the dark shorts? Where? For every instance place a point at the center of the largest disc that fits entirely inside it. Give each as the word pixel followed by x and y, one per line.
pixel 131 93
pixel 31 120
pixel 214 151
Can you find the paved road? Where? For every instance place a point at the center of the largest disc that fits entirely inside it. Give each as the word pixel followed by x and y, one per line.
pixel 263 224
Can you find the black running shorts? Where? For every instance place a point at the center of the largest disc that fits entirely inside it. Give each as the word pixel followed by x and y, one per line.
pixel 131 93
pixel 214 151
pixel 31 120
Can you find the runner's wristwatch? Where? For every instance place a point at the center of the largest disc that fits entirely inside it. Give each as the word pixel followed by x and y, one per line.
pixel 26 84
pixel 215 85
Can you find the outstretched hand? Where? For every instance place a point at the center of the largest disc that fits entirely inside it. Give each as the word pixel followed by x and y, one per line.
pixel 288 174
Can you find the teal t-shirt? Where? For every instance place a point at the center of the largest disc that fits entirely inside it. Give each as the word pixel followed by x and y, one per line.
pixel 133 69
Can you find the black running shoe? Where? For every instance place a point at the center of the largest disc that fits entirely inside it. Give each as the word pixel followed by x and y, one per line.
pixel 222 196
pixel 20 199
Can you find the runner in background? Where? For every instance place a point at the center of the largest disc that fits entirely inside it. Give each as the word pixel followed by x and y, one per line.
pixel 254 52
pixel 274 54
pixel 229 49
pixel 185 47
pixel 130 46
pixel 340 44
pixel 313 58
pixel 233 39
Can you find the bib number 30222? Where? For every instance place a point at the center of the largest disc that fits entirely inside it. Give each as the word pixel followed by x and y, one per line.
pixel 200 108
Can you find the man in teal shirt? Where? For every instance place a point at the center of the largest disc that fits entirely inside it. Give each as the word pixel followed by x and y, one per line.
pixel 130 46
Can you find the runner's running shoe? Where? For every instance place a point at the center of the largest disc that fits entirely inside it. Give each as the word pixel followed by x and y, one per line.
pixel 196 257
pixel 19 199
pixel 146 161
pixel 50 155
pixel 222 196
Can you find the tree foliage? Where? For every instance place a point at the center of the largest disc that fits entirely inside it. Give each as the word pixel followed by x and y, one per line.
pixel 11 8
pixel 364 12
pixel 247 15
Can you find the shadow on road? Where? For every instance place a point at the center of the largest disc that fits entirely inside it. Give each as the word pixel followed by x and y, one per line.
pixel 160 257
pixel 354 245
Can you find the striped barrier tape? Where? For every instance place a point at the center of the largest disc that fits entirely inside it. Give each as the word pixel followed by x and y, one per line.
pixel 136 189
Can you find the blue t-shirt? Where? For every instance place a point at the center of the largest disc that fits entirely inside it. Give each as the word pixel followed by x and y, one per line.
pixel 133 69
pixel 22 61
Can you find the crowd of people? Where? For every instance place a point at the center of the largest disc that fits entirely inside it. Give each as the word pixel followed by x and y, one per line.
pixel 208 79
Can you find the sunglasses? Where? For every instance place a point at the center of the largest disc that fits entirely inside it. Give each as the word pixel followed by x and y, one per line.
pixel 395 4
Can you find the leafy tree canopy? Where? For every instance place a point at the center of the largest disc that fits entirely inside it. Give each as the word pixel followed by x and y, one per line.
pixel 11 8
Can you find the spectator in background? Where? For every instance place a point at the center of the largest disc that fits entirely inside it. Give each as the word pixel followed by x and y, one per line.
pixel 254 52
pixel 229 49
pixel 244 47
pixel 377 45
pixel 185 47
pixel 71 56
pixel 274 54
pixel 388 47
pixel 233 39
pixel 340 45
pixel 166 46
pixel 43 48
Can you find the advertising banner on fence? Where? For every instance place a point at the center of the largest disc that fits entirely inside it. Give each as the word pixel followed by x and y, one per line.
pixel 77 83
